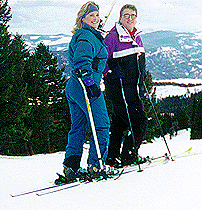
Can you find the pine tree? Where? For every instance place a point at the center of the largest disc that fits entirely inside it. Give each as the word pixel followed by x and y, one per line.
pixel 5 13
pixel 153 128
pixel 182 118
pixel 13 99
pixel 5 52
pixel 49 117
pixel 5 85
pixel 34 113
pixel 18 102
pixel 15 105
pixel 196 121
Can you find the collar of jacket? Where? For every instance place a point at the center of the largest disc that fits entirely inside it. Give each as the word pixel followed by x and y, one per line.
pixel 124 35
pixel 96 32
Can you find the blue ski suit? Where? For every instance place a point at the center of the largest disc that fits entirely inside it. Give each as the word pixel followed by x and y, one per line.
pixel 87 51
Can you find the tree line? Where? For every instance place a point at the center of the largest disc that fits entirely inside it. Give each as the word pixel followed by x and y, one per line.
pixel 182 112
pixel 34 114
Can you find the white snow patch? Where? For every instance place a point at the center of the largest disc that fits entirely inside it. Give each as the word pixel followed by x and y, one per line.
pixel 173 90
pixel 176 185
pixel 198 35
pixel 62 40
pixel 170 90
pixel 187 47
pixel 45 42
pixel 194 59
pixel 199 66
pixel 185 81
pixel 34 37
pixel 61 48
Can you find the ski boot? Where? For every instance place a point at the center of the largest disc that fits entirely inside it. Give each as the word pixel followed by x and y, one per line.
pixel 97 173
pixel 114 162
pixel 133 160
pixel 69 176
pixel 83 175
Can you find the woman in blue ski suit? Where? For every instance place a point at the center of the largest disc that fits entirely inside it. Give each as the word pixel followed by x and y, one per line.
pixel 87 57
pixel 126 59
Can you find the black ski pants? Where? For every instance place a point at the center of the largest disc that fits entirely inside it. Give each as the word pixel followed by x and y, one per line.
pixel 120 125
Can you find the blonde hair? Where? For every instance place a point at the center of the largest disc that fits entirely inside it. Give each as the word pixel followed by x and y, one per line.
pixel 82 11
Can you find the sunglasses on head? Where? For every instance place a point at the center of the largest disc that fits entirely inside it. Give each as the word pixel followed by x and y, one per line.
pixel 127 16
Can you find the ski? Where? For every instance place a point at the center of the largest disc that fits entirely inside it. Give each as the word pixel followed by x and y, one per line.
pixel 116 176
pixel 154 161
pixel 150 162
pixel 60 189
pixel 185 153
pixel 52 189
pixel 78 183
pixel 38 190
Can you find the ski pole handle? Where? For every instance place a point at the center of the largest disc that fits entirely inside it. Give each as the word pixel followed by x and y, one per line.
pixel 107 16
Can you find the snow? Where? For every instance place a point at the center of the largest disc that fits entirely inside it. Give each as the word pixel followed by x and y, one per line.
pixel 62 40
pixel 170 90
pixel 165 51
pixel 164 91
pixel 198 35
pixel 34 37
pixel 185 81
pixel 199 66
pixel 176 185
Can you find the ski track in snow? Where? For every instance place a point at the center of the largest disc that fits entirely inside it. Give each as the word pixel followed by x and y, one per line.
pixel 176 185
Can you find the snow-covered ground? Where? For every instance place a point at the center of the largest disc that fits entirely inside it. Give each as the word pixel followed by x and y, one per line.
pixel 185 81
pixel 176 185
pixel 172 90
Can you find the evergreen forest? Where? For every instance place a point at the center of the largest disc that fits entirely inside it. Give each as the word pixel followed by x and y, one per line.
pixel 34 114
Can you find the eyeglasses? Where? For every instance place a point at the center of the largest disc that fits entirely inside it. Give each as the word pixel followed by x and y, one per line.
pixel 127 16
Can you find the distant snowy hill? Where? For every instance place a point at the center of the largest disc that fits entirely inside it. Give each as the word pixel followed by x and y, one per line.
pixel 177 87
pixel 170 55
pixel 56 43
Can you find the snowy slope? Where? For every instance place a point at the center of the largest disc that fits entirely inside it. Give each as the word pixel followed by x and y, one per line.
pixel 176 185
pixel 170 90
pixel 164 91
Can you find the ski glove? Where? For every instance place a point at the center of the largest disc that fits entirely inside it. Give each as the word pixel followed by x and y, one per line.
pixel 116 72
pixel 91 88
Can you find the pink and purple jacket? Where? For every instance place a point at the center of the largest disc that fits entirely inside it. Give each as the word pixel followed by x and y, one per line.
pixel 120 43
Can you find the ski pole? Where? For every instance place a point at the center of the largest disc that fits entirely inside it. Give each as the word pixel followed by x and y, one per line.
pixel 106 17
pixel 130 124
pixel 157 119
pixel 126 104
pixel 92 124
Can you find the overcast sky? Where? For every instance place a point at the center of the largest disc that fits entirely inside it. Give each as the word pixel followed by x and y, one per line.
pixel 51 17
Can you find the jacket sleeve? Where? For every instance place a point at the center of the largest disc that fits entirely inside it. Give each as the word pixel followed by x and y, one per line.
pixel 139 41
pixel 83 57
pixel 110 44
pixel 141 64
pixel 141 59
